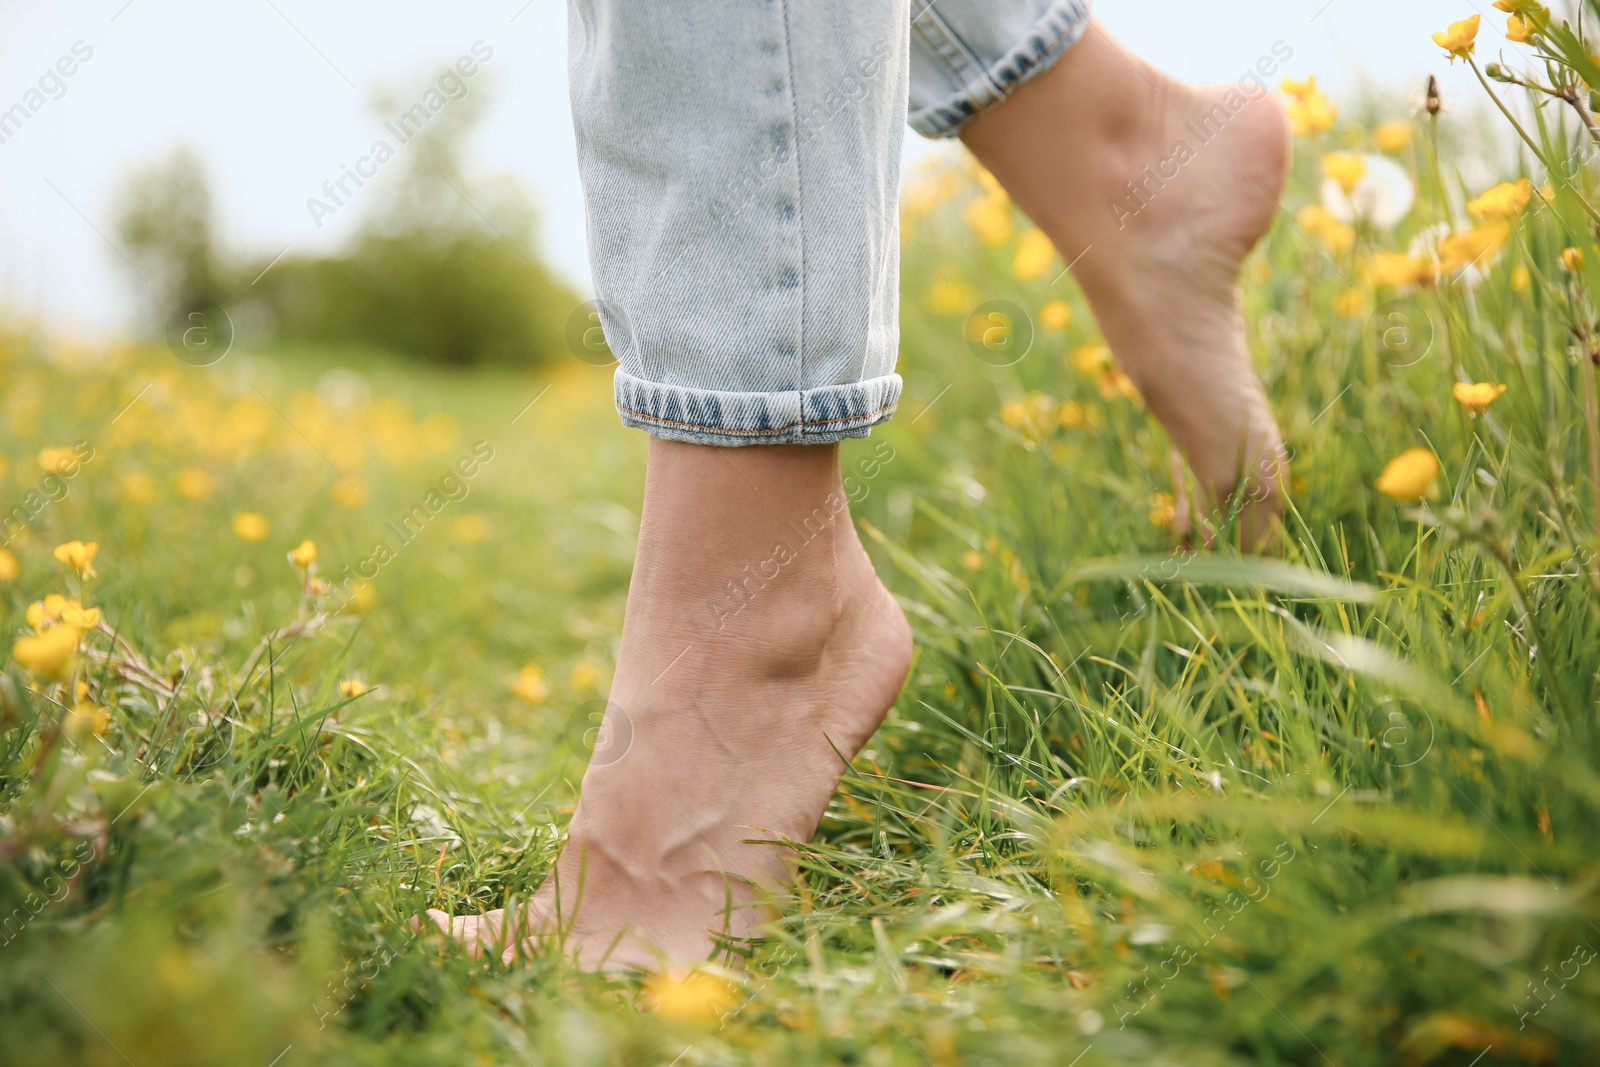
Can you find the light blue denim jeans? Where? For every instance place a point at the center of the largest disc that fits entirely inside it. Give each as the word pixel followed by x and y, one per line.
pixel 741 170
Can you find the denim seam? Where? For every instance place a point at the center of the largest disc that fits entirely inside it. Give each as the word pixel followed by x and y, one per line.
pixel 958 46
pixel 758 433
pixel 1065 20
pixel 799 187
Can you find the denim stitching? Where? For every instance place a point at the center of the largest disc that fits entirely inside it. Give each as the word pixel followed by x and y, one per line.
pixel 799 187
pixel 966 49
pixel 802 424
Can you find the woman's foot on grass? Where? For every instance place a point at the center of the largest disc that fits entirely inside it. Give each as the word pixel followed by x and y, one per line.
pixel 759 652
pixel 1156 192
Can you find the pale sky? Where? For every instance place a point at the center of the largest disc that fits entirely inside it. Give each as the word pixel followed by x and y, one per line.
pixel 275 93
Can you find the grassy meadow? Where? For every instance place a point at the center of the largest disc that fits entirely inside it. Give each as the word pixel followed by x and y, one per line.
pixel 1337 804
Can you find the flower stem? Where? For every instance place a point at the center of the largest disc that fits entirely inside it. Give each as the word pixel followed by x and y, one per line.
pixel 1588 208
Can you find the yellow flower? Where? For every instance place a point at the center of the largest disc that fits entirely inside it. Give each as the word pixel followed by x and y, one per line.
pixel 350 492
pixel 1472 247
pixel 79 556
pixel 1397 269
pixel 1394 136
pixel 251 526
pixel 363 594
pixel 585 676
pixel 1504 201
pixel 1528 17
pixel 59 460
pixel 1033 257
pixel 1071 414
pixel 1519 30
pixel 1476 396
pixel 1055 315
pixel 84 720
pixel 1311 114
pixel 9 568
pixel 1521 278
pixel 304 554
pixel 1299 90
pixel 138 486
pixel 55 608
pixel 1319 222
pixel 1572 259
pixel 950 298
pixel 1035 415
pixel 1346 168
pixel 352 687
pixel 971 560
pixel 1091 359
pixel 194 483
pixel 1409 474
pixel 49 652
pixel 692 997
pixel 1350 303
pixel 990 219
pixel 1163 509
pixel 1459 39
pixel 529 685
pixel 471 529
pixel 1113 383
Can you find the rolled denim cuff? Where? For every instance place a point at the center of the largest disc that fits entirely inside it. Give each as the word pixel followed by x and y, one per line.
pixel 710 417
pixel 975 81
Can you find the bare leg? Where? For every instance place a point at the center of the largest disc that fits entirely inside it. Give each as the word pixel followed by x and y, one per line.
pixel 1161 270
pixel 758 641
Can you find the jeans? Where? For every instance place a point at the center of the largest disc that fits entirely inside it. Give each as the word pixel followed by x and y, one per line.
pixel 741 170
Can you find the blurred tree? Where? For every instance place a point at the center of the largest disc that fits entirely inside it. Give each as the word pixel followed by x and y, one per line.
pixel 164 220
pixel 442 268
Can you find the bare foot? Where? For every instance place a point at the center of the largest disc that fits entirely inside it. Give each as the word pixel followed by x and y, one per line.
pixel 759 648
pixel 1157 191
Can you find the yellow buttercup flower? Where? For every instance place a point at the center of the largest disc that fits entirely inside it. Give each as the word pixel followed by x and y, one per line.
pixel 1504 201
pixel 350 492
pixel 1163 510
pixel 55 608
pixel 1409 475
pixel 9 567
pixel 251 526
pixel 79 556
pixel 1572 259
pixel 690 996
pixel 195 483
pixel 1473 247
pixel 1394 136
pixel 59 460
pixel 1033 257
pixel 1521 278
pixel 1476 396
pixel 1091 359
pixel 304 554
pixel 352 687
pixel 1312 114
pixel 84 720
pixel 363 595
pixel 990 219
pixel 1319 222
pixel 971 560
pixel 1055 315
pixel 1299 89
pixel 1520 30
pixel 1459 39
pixel 1350 303
pixel 137 486
pixel 584 676
pixel 529 685
pixel 1397 269
pixel 47 653
pixel 951 298
pixel 1346 168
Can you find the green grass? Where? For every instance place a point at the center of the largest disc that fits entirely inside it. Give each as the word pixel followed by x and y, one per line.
pixel 1335 806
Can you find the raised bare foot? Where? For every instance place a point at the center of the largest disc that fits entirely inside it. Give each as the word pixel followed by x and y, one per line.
pixel 759 648
pixel 1157 191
